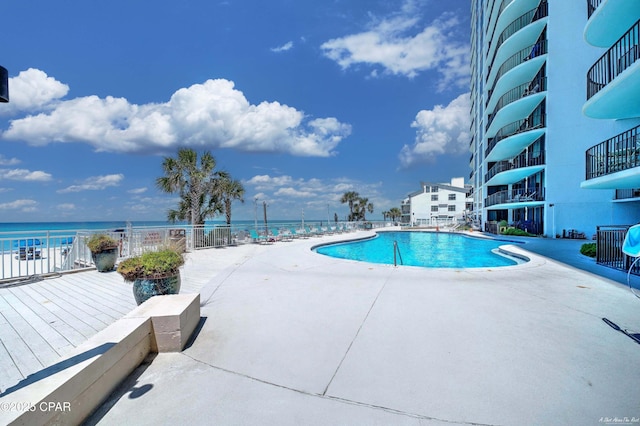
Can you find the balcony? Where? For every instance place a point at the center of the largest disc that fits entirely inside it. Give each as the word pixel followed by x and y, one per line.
pixel 608 19
pixel 614 163
pixel 623 195
pixel 517 69
pixel 515 198
pixel 519 32
pixel 613 82
pixel 517 103
pixel 513 138
pixel 509 172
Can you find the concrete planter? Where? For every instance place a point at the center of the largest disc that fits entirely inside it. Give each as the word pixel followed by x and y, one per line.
pixel 145 288
pixel 105 260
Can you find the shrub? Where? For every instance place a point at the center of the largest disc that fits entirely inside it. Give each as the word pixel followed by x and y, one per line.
pixel 588 249
pixel 101 242
pixel 153 264
pixel 517 232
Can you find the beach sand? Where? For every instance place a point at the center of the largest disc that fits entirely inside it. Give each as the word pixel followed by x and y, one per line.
pixel 49 261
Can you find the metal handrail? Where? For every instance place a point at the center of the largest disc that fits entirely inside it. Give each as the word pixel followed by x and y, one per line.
pixel 592 5
pixel 396 249
pixel 615 154
pixel 624 53
pixel 518 162
pixel 522 91
pixel 536 120
pixel 535 14
pixel 538 49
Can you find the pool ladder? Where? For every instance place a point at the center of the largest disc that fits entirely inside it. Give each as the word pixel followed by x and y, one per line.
pixel 396 250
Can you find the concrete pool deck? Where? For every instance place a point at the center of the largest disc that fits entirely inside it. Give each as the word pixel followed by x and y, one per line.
pixel 292 337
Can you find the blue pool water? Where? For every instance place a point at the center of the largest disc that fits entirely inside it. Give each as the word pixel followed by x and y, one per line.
pixel 428 249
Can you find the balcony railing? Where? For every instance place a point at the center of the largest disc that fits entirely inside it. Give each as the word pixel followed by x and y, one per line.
pixel 514 196
pixel 618 153
pixel 615 60
pixel 536 85
pixel 531 16
pixel 609 253
pixel 530 52
pixel 518 162
pixel 536 120
pixel 592 5
pixel 626 194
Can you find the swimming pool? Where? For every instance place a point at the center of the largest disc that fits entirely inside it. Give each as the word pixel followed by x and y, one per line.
pixel 427 249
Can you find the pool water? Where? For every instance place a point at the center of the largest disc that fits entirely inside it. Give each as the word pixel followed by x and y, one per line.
pixel 427 249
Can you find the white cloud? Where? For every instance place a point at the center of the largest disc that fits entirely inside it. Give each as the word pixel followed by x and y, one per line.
pixel 401 46
pixel 137 190
pixel 24 175
pixel 292 192
pixel 442 130
pixel 95 183
pixel 316 191
pixel 8 161
pixel 266 182
pixel 33 90
pixel 24 205
pixel 66 207
pixel 209 115
pixel 287 46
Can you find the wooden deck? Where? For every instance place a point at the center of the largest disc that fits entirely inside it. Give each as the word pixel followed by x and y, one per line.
pixel 42 320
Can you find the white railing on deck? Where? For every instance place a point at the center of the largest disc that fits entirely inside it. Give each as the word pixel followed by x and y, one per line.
pixel 34 254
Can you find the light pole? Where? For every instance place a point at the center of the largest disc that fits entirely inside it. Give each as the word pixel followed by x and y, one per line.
pixel 328 218
pixel 264 207
pixel 255 207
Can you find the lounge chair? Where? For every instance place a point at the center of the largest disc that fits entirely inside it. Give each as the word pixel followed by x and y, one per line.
pixel 257 238
pixel 301 233
pixel 284 236
pixel 273 235
pixel 315 231
pixel 28 249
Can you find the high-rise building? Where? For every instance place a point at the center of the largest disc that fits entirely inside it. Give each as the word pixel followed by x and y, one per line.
pixel 529 63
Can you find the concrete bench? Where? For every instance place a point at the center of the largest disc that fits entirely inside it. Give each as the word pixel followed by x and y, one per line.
pixel 69 391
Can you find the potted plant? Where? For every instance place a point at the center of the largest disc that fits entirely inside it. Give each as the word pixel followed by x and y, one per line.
pixel 104 251
pixel 153 273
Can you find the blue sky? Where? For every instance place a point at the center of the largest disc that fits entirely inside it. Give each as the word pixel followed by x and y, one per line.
pixel 300 100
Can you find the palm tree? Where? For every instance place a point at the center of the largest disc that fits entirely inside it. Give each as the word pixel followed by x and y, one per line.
pixel 350 197
pixel 395 213
pixel 366 205
pixel 230 189
pixel 195 182
pixel 361 207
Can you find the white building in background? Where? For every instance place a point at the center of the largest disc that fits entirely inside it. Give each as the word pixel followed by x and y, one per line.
pixel 437 204
pixel 529 61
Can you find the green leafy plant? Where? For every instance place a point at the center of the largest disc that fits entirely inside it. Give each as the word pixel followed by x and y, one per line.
pixel 100 242
pixel 517 232
pixel 153 264
pixel 588 249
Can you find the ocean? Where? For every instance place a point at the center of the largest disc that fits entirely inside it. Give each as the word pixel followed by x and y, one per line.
pixel 12 232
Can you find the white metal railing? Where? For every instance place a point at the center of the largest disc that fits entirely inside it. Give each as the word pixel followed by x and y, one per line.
pixel 30 254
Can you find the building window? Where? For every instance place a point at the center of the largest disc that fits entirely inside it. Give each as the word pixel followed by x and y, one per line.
pixel 452 197
pixel 434 197
pixel 434 189
pixel 434 208
pixel 452 208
